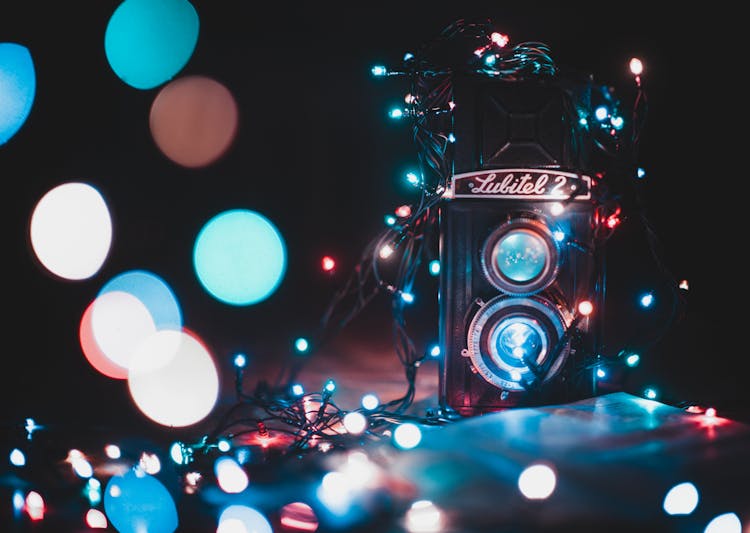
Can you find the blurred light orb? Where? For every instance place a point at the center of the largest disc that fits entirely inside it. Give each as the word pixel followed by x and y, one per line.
pixel 136 502
pixel 424 517
pixel 148 42
pixel 407 435
pixel 71 231
pixel 95 519
pixel 298 516
pixel 239 257
pixel 179 391
pixel 153 292
pixel 120 322
pixel 243 519
pixel 91 350
pixel 724 523
pixel 537 482
pixel 370 401
pixel 682 499
pixel 17 88
pixel 230 475
pixel 193 120
pixel 355 422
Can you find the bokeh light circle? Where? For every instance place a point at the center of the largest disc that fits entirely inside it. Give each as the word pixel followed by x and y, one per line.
pixel 177 389
pixel 193 120
pixel 17 88
pixel 236 518
pixel 148 42
pixel 537 481
pixel 153 291
pixel 239 257
pixel 71 231
pixel 136 502
pixel 120 323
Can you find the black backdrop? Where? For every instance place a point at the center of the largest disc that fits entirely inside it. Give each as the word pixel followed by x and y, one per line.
pixel 317 154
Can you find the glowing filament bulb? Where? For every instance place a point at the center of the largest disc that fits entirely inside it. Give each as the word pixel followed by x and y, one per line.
pixel 499 39
pixel 585 308
pixel 385 251
pixel 301 345
pixel 240 360
pixel 636 66
pixel 396 113
pixel 403 211
pixel 370 401
pixel 328 263
pixel 647 300
pixel 412 178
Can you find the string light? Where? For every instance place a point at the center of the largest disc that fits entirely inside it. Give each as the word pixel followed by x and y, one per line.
pixel 285 417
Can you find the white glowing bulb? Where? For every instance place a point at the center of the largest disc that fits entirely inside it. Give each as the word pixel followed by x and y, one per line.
pixel 112 451
pixel 231 477
pixel 95 519
pixel 636 66
pixel 724 523
pixel 407 435
pixel 424 517
pixel 385 251
pixel 82 468
pixel 537 482
pixel 17 458
pixel 35 505
pixel 682 499
pixel 175 452
pixel 150 463
pixel 370 401
pixel 355 422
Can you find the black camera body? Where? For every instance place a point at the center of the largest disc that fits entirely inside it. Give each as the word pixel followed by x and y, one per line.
pixel 517 247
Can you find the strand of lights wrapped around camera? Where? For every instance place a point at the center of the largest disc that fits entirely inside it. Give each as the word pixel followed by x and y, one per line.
pixel 409 237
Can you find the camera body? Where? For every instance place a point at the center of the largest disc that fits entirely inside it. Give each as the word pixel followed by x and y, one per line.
pixel 517 248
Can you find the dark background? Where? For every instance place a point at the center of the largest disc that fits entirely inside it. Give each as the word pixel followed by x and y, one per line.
pixel 316 153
